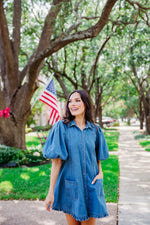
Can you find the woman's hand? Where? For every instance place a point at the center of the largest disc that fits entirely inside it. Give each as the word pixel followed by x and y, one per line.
pixel 49 201
pixel 99 176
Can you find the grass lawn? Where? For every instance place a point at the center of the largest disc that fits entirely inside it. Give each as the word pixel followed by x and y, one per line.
pixel 112 140
pixel 144 140
pixel 145 144
pixel 33 182
pixel 33 140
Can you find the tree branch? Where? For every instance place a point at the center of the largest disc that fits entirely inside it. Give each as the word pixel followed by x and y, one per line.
pixel 137 4
pixel 141 8
pixel 65 61
pixel 57 75
pixel 75 66
pixel 83 74
pixel 2 101
pixel 60 42
pixel 49 25
pixel 97 7
pixel 119 22
pixel 73 27
pixel 43 43
pixel 90 18
pixel 16 30
pixel 147 18
pixel 35 60
pixel 91 32
pixel 133 81
pixel 94 64
pixel 56 72
pixel 7 51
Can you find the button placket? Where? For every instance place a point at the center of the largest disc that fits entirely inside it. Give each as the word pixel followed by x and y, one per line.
pixel 84 167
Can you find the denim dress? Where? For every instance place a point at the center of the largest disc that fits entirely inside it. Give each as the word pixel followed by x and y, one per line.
pixel 74 192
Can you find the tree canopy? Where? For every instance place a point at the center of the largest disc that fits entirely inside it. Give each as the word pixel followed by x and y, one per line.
pixel 89 34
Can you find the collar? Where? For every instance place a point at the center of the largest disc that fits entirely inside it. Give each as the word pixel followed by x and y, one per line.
pixel 73 123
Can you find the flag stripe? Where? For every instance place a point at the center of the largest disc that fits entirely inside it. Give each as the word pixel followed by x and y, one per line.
pixel 53 118
pixel 50 105
pixel 48 102
pixel 49 97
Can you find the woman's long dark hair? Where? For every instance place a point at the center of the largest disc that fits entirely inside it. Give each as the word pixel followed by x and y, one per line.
pixel 88 107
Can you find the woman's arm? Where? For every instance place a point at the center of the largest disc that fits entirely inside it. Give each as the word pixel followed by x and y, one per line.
pixel 100 173
pixel 56 165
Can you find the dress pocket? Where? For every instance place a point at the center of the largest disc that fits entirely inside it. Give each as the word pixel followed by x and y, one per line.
pixel 71 188
pixel 99 187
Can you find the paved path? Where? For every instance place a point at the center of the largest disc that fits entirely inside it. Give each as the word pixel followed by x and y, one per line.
pixel 34 213
pixel 134 187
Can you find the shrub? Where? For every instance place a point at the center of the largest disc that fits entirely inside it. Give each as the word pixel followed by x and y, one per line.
pixel 116 124
pixel 42 128
pixel 146 144
pixel 28 130
pixel 9 155
pixel 139 136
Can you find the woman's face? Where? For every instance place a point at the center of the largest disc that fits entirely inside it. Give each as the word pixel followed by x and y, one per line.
pixel 76 105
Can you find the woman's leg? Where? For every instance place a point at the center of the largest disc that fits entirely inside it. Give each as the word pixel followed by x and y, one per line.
pixel 91 221
pixel 71 220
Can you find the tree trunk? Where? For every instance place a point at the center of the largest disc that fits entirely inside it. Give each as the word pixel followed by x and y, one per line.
pixel 141 118
pixel 141 114
pixel 12 129
pixel 98 109
pixel 100 115
pixel 146 103
pixel 148 124
pixel 14 136
pixel 147 118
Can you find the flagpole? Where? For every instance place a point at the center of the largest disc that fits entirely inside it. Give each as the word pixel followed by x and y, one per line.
pixel 42 91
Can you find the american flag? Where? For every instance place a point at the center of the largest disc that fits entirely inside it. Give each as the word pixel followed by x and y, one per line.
pixel 49 97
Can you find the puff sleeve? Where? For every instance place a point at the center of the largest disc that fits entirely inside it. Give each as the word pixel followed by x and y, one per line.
pixel 102 152
pixel 55 144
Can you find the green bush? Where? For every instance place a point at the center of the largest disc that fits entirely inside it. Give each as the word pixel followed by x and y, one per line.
pixel 10 154
pixel 42 128
pixel 145 144
pixel 19 157
pixel 116 124
pixel 139 136
pixel 34 156
pixel 28 130
pixel 143 139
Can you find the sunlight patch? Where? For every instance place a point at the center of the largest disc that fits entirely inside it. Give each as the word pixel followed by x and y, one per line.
pixel 42 173
pixel 34 169
pixel 6 186
pixel 25 176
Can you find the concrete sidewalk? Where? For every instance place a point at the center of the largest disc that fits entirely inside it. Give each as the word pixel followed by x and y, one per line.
pixel 34 213
pixel 134 187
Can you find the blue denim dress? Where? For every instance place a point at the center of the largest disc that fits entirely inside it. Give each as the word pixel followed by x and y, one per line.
pixel 79 150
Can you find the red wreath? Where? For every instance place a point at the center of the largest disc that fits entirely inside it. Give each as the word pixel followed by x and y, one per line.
pixel 5 112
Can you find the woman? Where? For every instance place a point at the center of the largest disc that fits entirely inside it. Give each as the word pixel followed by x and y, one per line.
pixel 76 145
